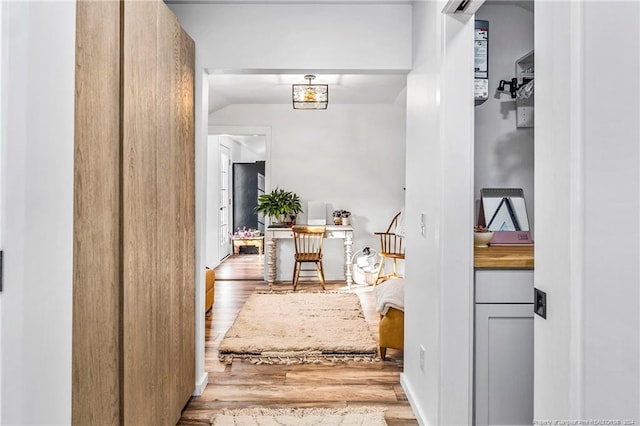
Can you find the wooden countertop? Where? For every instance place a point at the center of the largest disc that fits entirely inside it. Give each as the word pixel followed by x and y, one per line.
pixel 503 257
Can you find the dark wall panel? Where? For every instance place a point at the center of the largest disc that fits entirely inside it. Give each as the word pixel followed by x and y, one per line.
pixel 245 195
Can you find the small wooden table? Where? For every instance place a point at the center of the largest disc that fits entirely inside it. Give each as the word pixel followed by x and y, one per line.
pixel 252 242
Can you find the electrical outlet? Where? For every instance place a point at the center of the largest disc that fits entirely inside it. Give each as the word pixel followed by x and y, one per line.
pixel 422 350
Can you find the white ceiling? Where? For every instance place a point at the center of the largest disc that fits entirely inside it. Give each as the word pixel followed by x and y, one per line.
pixel 242 88
pixel 525 4
pixel 275 88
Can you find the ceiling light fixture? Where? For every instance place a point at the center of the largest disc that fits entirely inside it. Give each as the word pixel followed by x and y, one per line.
pixel 310 96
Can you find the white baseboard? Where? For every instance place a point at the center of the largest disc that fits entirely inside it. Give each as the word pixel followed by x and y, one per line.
pixel 201 384
pixel 415 406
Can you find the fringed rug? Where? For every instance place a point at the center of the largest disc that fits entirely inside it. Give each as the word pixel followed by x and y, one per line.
pixel 361 416
pixel 293 328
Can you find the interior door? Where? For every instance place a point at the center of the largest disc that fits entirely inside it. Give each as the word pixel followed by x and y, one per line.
pixel 224 201
pixel 245 195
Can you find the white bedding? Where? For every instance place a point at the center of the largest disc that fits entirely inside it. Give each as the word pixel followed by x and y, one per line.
pixel 389 294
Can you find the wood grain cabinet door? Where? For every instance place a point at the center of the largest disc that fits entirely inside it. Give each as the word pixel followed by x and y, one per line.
pixel 134 220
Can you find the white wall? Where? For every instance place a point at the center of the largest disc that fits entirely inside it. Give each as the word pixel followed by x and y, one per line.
pixel 3 109
pixel 38 137
pixel 349 156
pixel 422 282
pixel 440 186
pixel 300 36
pixel 587 182
pixel 504 152
pixel 201 94
pixel 242 154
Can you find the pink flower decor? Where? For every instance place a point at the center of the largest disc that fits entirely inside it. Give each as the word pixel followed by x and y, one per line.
pixel 245 233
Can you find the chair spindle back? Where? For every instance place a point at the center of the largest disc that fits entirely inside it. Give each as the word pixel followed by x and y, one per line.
pixel 308 239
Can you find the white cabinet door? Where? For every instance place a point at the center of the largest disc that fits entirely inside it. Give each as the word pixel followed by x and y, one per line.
pixel 504 364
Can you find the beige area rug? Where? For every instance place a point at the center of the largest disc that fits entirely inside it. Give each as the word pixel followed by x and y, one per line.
pixel 292 328
pixel 361 416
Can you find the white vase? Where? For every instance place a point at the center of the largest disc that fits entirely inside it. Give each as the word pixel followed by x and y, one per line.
pixel 482 239
pixel 346 221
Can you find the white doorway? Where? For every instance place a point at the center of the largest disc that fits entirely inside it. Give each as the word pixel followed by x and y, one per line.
pixel 227 145
pixel 504 158
pixel 224 201
pixel 238 155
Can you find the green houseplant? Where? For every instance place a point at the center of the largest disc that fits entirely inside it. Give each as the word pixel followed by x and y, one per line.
pixel 279 204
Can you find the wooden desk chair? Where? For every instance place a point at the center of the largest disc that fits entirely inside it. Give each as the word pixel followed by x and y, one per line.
pixel 308 245
pixel 391 247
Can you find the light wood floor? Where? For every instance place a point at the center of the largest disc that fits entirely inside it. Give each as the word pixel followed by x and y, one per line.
pixel 243 384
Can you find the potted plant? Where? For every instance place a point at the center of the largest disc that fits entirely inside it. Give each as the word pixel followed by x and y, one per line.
pixel 341 217
pixel 337 217
pixel 346 217
pixel 481 236
pixel 293 207
pixel 280 205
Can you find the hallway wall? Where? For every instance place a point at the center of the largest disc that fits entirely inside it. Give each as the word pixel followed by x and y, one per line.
pixel 587 177
pixel 37 227
pixel 439 189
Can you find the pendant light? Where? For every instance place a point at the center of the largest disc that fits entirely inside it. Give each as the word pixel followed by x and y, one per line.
pixel 310 96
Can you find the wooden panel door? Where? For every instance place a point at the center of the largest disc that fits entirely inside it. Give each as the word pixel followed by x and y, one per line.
pixel 176 218
pixel 144 295
pixel 97 286
pixel 134 220
pixel 159 223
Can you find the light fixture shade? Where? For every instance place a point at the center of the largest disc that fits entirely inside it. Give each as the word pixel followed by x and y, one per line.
pixel 310 96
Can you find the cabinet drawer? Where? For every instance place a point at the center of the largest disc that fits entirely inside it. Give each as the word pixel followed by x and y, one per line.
pixel 504 286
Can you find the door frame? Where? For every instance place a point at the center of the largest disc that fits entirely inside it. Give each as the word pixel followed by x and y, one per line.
pixel 246 131
pixel 222 253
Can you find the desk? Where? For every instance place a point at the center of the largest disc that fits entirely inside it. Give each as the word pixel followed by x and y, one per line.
pixel 333 231
pixel 251 242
